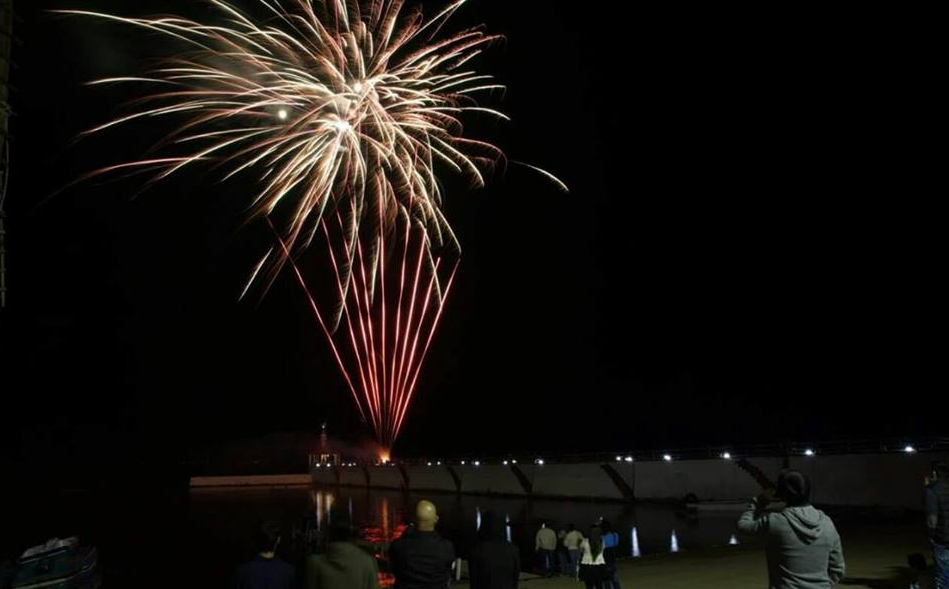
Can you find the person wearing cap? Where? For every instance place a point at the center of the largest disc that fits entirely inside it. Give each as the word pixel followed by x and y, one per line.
pixel 344 565
pixel 801 543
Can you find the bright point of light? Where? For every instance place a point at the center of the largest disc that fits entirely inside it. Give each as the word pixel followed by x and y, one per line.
pixel 429 463
pixel 667 457
pixel 341 126
pixel 439 463
pixel 462 462
pixel 540 461
pixel 808 452
pixel 727 456
pixel 674 542
pixel 514 462
pixel 477 463
pixel 282 114
pixel 629 459
pixel 505 463
pixel 733 541
pixel 909 449
pixel 619 459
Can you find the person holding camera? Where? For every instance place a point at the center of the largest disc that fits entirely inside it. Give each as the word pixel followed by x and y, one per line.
pixel 801 543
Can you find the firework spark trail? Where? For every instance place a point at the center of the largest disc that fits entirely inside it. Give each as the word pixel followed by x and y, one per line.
pixel 338 105
pixel 388 372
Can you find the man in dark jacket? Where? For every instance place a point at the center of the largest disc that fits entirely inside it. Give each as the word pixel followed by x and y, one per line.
pixel 345 565
pixel 801 543
pixel 421 559
pixel 266 571
pixel 937 520
pixel 495 563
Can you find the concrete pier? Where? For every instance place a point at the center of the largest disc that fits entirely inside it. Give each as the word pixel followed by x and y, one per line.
pixel 865 480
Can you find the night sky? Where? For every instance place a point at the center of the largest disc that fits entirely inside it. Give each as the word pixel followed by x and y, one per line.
pixel 750 251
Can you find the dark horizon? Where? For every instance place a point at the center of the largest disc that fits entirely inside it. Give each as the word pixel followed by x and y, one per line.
pixel 749 253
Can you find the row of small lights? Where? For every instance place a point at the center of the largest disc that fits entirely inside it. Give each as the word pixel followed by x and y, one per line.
pixel 909 449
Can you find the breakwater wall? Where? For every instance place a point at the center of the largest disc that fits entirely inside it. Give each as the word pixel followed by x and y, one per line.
pixel 864 480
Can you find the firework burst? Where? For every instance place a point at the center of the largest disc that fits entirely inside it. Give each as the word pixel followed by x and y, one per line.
pixel 345 112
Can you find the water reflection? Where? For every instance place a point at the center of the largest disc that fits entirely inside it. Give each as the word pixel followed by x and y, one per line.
pixel 319 511
pixel 644 529
pixel 226 516
pixel 381 516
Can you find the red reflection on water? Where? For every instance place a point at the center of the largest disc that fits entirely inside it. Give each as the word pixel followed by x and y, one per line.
pixel 382 536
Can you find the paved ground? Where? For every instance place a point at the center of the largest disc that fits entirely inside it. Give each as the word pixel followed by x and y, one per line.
pixel 875 555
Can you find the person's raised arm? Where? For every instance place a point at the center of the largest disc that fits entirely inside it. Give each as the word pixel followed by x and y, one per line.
pixel 755 520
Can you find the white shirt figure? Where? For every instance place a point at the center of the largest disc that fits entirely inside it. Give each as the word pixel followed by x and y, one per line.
pixel 588 557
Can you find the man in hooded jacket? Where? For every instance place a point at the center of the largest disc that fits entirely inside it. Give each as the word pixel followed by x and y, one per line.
pixel 345 565
pixel 801 543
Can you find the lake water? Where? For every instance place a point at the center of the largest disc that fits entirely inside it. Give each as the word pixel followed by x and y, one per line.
pixel 148 538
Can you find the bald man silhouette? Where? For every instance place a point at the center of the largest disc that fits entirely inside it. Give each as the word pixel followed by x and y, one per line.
pixel 421 559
